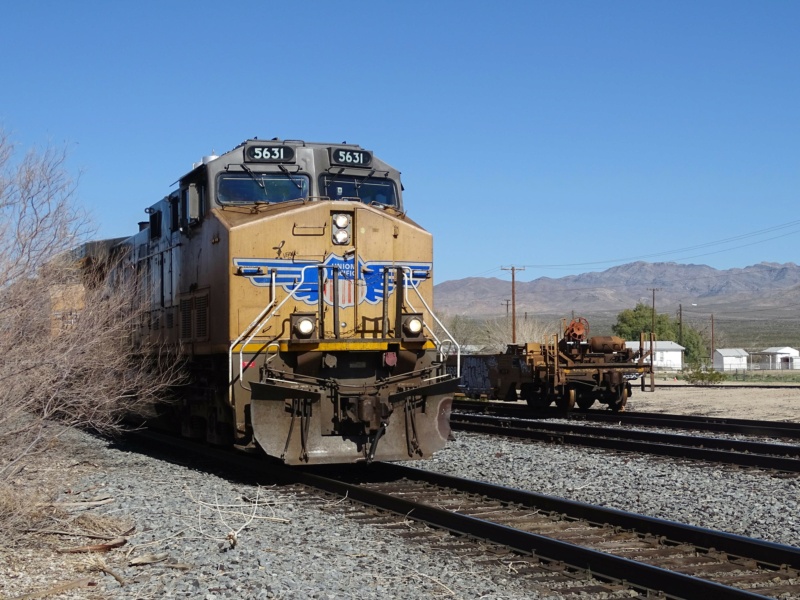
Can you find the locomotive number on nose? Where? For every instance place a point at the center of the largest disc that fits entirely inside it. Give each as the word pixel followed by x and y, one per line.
pixel 274 154
pixel 354 158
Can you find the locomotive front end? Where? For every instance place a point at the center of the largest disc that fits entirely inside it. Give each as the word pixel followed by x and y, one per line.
pixel 333 354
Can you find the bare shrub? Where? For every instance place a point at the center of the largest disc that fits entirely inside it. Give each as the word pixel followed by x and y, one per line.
pixel 497 333
pixel 65 332
pixel 21 509
pixel 492 335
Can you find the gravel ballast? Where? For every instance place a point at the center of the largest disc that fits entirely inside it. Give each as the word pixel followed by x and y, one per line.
pixel 746 502
pixel 289 546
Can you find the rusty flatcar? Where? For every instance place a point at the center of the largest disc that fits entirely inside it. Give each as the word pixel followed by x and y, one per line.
pixel 569 370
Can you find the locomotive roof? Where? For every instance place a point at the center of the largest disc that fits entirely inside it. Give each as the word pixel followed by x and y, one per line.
pixel 291 142
pixel 288 142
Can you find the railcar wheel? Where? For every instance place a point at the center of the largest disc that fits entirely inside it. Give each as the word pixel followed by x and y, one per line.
pixel 534 397
pixel 538 402
pixel 622 399
pixel 566 402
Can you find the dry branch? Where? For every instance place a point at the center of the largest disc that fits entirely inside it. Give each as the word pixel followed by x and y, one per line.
pixel 63 587
pixel 115 543
pixel 247 513
pixel 84 503
pixel 148 559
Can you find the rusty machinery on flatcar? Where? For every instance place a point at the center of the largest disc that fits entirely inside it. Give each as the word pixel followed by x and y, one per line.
pixel 569 370
pixel 291 277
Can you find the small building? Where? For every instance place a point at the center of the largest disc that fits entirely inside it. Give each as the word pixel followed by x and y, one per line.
pixel 668 355
pixel 730 359
pixel 776 358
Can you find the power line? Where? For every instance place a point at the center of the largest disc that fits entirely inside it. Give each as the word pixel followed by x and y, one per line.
pixel 690 248
pixel 729 240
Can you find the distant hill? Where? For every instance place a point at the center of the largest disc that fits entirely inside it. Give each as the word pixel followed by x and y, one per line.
pixel 766 293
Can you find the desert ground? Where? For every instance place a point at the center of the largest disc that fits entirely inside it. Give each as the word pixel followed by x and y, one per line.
pixel 770 404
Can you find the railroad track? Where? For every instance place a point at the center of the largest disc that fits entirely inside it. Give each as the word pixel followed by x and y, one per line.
pixel 585 548
pixel 773 429
pixel 745 453
pixel 679 560
pixel 734 386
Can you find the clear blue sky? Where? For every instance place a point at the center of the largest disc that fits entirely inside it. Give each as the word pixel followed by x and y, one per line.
pixel 561 136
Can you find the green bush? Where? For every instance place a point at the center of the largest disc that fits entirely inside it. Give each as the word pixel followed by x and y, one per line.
pixel 700 374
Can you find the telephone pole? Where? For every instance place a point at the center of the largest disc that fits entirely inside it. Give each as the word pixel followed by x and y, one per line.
pixel 513 300
pixel 712 340
pixel 654 290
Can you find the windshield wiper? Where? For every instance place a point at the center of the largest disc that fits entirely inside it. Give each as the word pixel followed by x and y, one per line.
pixel 289 175
pixel 256 179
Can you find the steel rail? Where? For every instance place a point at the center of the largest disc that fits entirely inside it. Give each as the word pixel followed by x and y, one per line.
pixel 777 429
pixel 768 553
pixel 749 427
pixel 635 434
pixel 734 386
pixel 600 564
pixel 735 452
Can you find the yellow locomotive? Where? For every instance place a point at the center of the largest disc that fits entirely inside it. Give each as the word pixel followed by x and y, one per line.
pixel 291 277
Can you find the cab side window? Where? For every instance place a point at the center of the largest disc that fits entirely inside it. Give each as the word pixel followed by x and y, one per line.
pixel 192 206
pixel 155 225
pixel 174 213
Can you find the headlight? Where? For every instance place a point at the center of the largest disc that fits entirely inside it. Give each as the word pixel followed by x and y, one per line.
pixel 303 325
pixel 412 326
pixel 342 225
pixel 341 237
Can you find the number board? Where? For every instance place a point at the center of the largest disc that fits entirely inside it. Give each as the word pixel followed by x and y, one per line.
pixel 351 158
pixel 269 154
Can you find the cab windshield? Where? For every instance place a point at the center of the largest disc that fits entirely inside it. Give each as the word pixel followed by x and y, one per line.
pixel 366 189
pixel 252 188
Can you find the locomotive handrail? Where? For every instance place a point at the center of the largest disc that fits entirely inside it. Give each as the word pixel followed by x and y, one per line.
pixel 268 317
pixel 407 273
pixel 241 335
pixel 241 360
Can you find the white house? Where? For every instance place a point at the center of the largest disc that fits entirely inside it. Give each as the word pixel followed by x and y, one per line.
pixel 668 355
pixel 777 358
pixel 730 359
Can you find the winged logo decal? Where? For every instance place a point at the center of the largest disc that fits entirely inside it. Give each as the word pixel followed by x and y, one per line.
pixel 358 281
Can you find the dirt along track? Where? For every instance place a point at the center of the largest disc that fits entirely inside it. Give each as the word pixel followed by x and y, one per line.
pixel 769 404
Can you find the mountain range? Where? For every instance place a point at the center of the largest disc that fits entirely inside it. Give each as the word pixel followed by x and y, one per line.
pixel 761 292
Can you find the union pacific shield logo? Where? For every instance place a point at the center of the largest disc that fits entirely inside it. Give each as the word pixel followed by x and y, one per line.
pixel 358 281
